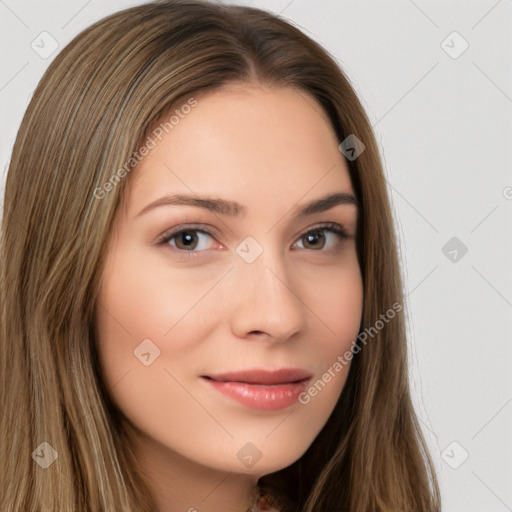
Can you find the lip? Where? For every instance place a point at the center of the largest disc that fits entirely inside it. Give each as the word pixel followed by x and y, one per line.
pixel 262 389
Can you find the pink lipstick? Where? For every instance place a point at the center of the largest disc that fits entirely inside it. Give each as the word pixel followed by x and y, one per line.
pixel 268 390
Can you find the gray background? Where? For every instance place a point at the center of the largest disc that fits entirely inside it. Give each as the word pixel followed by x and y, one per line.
pixel 442 117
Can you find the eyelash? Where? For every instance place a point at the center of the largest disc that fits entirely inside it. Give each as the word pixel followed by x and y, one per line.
pixel 166 237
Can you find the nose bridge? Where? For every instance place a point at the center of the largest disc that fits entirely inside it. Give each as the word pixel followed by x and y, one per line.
pixel 267 300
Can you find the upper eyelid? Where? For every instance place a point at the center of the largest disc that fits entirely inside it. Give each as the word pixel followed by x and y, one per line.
pixel 166 235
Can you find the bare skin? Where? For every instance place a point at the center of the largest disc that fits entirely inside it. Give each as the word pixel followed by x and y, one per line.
pixel 299 303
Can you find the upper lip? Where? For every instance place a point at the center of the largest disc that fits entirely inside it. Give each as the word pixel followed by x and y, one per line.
pixel 263 376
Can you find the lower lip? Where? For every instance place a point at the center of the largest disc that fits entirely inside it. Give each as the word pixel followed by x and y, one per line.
pixel 261 396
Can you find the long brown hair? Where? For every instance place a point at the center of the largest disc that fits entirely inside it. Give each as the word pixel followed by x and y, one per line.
pixel 91 111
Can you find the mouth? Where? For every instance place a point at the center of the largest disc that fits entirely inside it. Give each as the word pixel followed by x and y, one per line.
pixel 267 390
pixel 263 376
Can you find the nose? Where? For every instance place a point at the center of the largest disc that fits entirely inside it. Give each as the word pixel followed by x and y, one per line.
pixel 266 301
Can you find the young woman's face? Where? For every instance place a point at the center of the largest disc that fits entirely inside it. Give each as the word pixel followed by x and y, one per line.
pixel 197 287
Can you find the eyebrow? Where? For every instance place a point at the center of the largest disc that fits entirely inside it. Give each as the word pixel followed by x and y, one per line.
pixel 234 209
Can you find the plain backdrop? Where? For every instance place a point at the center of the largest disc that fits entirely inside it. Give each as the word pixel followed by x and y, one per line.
pixel 435 78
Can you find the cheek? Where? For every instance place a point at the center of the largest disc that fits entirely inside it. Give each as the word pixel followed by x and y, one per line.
pixel 337 302
pixel 138 303
pixel 343 307
pixel 338 306
pixel 135 310
pixel 130 309
pixel 145 301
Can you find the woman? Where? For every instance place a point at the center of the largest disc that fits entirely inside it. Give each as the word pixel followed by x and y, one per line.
pixel 201 298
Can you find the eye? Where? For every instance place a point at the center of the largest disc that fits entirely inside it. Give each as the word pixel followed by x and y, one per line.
pixel 186 239
pixel 316 238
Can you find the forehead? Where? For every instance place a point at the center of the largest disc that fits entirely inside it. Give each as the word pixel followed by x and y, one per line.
pixel 249 142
